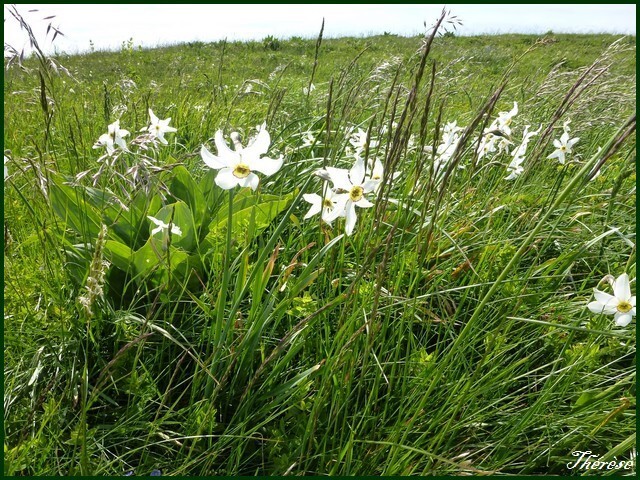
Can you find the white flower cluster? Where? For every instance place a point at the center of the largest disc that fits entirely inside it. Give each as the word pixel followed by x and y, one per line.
pixel 496 136
pixel 115 135
pixel 515 167
pixel 448 144
pixel 350 188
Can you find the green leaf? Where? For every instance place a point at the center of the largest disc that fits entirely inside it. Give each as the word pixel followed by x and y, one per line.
pixel 249 217
pixel 154 260
pixel 183 187
pixel 119 254
pixel 69 204
pixel 180 214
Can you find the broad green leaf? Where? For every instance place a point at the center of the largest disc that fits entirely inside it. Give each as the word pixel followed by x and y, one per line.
pixel 155 260
pixel 121 220
pixel 180 214
pixel 68 203
pixel 183 187
pixel 249 218
pixel 119 254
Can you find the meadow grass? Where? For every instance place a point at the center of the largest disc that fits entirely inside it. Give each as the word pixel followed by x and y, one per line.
pixel 448 334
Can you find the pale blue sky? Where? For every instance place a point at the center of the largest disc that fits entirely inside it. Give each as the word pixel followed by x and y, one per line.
pixel 150 25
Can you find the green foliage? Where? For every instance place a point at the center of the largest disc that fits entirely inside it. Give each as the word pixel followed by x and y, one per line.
pixel 271 43
pixel 448 335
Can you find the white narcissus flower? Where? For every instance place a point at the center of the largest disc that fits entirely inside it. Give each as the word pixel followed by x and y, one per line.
pixel 237 166
pixel 450 129
pixel 6 170
pixel 497 135
pixel 308 90
pixel 309 139
pixel 319 204
pixel 114 136
pixel 159 127
pixel 355 186
pixel 563 146
pixel 622 305
pixel 514 169
pixel 377 174
pixel 518 153
pixel 503 122
pixel 359 141
pixel 164 227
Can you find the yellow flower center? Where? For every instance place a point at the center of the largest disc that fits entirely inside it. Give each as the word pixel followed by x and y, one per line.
pixel 624 307
pixel 563 148
pixel 241 171
pixel 327 203
pixel 356 193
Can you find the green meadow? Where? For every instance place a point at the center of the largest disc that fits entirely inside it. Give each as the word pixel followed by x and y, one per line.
pixel 427 315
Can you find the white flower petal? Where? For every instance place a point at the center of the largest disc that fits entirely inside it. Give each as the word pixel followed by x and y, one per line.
pixel 623 319
pixel 371 185
pixel 378 170
pixel 224 152
pixel 105 139
pixel 260 144
pixel 252 181
pixel 211 160
pixel 159 223
pixel 154 119
pixel 312 198
pixel 603 297
pixel 364 203
pixel 597 307
pixel 265 165
pixel 339 207
pixel 326 212
pixel 121 143
pixel 621 288
pixel 225 179
pixel 316 204
pixel 339 177
pixel 356 174
pixel 351 217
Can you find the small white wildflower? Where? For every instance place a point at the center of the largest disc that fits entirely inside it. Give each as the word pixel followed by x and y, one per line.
pixel 114 136
pixel 622 305
pixel 324 204
pixel 159 127
pixel 164 227
pixel 563 147
pixel 355 186
pixel 237 166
